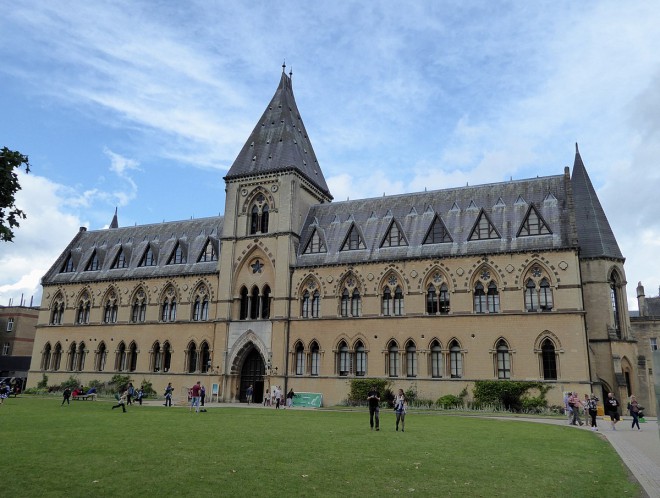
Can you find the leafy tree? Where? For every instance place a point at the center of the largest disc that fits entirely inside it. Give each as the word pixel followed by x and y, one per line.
pixel 9 213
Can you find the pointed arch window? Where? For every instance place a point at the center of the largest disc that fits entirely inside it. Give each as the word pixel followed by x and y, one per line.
pixel 393 359
pixel 533 224
pixel 110 311
pixel 353 240
pixel 343 359
pixel 45 357
pixel 259 215
pixel 265 302
pixel 615 302
pixel 356 303
pixel 455 360
pixel 208 253
pixel 398 301
pixel 436 360
pixel 168 307
pixel 156 357
pixel 254 303
pixel 431 300
pixel 493 298
pixel 443 300
pixel 315 244
pixel 243 315
pixel 300 359
pixel 205 357
pixel 411 360
pixel 545 295
pixel 394 236
pixel 437 233
pixel 83 310
pixel 79 359
pixel 548 360
pixel 178 256
pixel 387 302
pixel 120 260
pixel 57 312
pixel 201 305
pixel 315 359
pixel 148 258
pixel 93 264
pixel 121 359
pixel 101 357
pixel 57 357
pixel 68 267
pixel 531 296
pixel 345 301
pixel 360 359
pixel 305 305
pixel 479 298
pixel 316 304
pixel 483 229
pixel 139 307
pixel 167 357
pixel 191 357
pixel 132 357
pixel 503 360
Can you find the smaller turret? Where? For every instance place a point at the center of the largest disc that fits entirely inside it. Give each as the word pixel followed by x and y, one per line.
pixel 641 300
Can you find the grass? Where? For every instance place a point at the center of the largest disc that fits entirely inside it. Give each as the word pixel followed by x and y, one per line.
pixel 88 449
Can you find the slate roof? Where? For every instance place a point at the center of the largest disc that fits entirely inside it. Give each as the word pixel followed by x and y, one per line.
pixel 505 204
pixel 595 235
pixel 652 306
pixel 192 236
pixel 279 142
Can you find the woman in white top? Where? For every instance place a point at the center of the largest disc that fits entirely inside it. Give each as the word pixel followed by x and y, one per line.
pixel 400 406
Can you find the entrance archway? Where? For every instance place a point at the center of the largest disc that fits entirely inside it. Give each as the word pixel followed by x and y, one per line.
pixel 252 374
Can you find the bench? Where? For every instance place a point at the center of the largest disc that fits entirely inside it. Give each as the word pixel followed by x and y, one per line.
pixel 84 397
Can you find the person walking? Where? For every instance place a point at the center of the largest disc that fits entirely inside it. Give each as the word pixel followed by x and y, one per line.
pixel 140 395
pixel 66 395
pixel 400 408
pixel 592 409
pixel 121 401
pixel 575 403
pixel 289 398
pixel 168 394
pixel 267 398
pixel 194 398
pixel 248 394
pixel 131 393
pixel 612 409
pixel 202 395
pixel 568 411
pixel 373 397
pixel 634 409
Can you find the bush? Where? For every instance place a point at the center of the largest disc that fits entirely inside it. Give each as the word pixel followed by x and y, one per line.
pixel 147 388
pixel 119 382
pixel 510 394
pixel 360 389
pixel 99 385
pixel 449 401
pixel 72 382
pixel 43 383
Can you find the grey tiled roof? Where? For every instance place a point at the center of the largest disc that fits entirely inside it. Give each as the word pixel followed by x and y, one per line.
pixel 595 235
pixel 190 234
pixel 506 205
pixel 653 306
pixel 279 142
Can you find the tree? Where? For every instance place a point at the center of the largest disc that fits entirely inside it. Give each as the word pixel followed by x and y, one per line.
pixel 9 214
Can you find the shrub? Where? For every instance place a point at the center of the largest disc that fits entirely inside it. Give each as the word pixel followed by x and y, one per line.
pixel 147 388
pixel 449 401
pixel 72 382
pixel 360 389
pixel 43 383
pixel 119 382
pixel 509 394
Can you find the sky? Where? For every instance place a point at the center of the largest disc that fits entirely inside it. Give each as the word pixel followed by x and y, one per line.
pixel 143 106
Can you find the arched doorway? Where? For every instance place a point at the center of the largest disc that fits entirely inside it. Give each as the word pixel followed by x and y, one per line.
pixel 252 374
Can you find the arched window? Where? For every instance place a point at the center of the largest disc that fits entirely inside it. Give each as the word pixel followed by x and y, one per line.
pixel 356 303
pixel 393 359
pixel 120 360
pixel 259 215
pixel 479 298
pixel 139 307
pixel 45 357
pixel 444 300
pixel 300 359
pixel 455 360
pixel 545 295
pixel 200 306
pixel 493 298
pixel 101 357
pixel 315 359
pixel 254 220
pixel 265 302
pixel 167 357
pixel 71 360
pixel 132 357
pixel 411 360
pixel 83 310
pixel 503 360
pixel 244 304
pixel 615 300
pixel 548 360
pixel 344 361
pixel 81 353
pixel 264 219
pixel 316 304
pixel 387 302
pixel 436 360
pixel 57 357
pixel 360 359
pixel 205 356
pixel 156 358
pixel 254 303
pixel 531 297
pixel 304 307
pixel 431 300
pixel 110 311
pixel 345 300
pixel 191 357
pixel 168 310
pixel 398 301
pixel 57 310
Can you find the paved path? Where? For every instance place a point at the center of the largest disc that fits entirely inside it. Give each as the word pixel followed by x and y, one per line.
pixel 639 450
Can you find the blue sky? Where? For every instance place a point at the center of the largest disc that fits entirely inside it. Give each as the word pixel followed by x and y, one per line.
pixel 144 106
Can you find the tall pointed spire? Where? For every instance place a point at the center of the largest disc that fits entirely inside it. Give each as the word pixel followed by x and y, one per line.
pixel 114 223
pixel 595 235
pixel 279 142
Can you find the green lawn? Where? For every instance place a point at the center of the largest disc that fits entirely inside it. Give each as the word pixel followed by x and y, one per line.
pixel 87 449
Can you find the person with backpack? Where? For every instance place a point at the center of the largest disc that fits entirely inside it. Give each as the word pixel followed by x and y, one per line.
pixel 592 409
pixel 139 396
pixel 168 394
pixel 131 393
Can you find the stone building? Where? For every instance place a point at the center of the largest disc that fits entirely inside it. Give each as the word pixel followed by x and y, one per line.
pixel 646 329
pixel 518 280
pixel 17 331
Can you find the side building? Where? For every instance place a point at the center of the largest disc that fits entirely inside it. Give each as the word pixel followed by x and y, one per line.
pixel 518 280
pixel 18 325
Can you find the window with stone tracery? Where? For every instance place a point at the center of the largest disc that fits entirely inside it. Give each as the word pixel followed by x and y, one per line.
pixel 259 215
pixel 84 308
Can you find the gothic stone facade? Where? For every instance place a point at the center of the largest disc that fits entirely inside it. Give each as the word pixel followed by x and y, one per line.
pixel 434 290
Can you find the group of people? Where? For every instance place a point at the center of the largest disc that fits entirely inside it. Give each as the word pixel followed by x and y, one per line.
pixel 276 398
pixel 589 405
pixel 400 409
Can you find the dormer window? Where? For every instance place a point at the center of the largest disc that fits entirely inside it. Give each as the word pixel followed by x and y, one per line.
pixel 120 260
pixel 148 259
pixel 93 264
pixel 208 253
pixel 67 267
pixel 178 256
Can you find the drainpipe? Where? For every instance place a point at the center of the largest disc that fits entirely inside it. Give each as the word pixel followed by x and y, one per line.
pixel 287 324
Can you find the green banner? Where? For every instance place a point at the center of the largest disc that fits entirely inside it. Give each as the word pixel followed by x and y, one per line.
pixel 308 400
